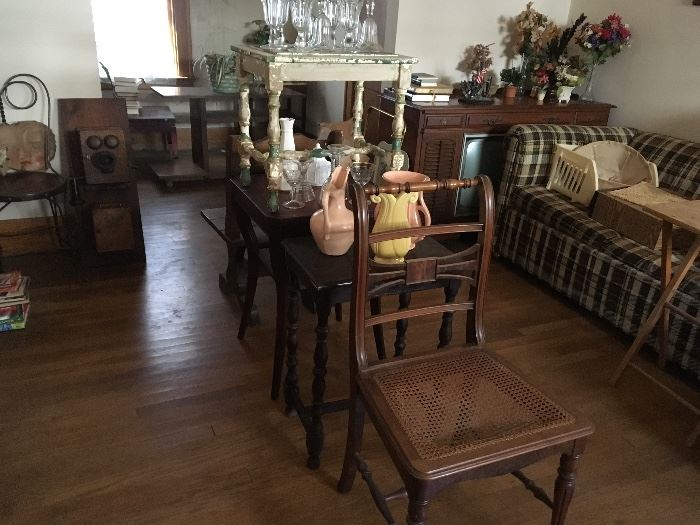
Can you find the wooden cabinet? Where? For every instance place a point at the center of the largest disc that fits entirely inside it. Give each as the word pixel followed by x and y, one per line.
pixel 435 133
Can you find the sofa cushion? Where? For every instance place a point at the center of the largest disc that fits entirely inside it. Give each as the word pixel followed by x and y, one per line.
pixel 678 161
pixel 554 210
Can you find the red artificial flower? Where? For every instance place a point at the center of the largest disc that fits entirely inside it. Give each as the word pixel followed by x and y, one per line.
pixel 606 34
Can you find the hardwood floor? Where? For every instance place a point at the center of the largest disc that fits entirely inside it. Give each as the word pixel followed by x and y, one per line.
pixel 128 399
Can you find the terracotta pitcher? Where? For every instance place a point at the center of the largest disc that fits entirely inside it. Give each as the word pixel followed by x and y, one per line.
pixel 332 226
pixel 417 208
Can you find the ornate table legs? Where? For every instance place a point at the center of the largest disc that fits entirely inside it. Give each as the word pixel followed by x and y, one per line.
pixel 244 124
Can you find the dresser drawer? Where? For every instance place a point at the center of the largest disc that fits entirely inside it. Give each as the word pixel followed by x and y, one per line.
pixel 502 121
pixel 592 118
pixel 444 121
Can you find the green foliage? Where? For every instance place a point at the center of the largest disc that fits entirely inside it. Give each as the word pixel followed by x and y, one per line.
pixel 512 76
pixel 218 66
pixel 259 35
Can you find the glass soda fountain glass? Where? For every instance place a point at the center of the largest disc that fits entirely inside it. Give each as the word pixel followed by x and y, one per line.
pixel 292 173
pixel 276 13
pixel 301 19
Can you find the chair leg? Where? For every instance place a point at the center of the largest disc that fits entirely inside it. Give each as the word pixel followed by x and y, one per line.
pixel 417 512
pixel 564 486
pixel 251 287
pixel 353 444
pixel 338 312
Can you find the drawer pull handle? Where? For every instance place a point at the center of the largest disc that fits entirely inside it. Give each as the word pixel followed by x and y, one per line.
pixel 444 122
pixel 493 121
pixel 552 120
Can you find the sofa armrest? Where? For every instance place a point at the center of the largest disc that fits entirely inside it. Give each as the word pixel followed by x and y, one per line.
pixel 529 149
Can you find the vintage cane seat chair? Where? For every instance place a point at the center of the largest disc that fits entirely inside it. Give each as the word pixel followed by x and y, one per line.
pixel 452 414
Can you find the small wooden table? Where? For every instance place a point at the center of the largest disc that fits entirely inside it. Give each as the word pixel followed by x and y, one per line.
pixel 329 280
pixel 278 67
pixel 250 207
pixel 685 215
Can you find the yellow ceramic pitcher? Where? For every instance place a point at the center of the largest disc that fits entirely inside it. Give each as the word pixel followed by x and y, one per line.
pixel 392 214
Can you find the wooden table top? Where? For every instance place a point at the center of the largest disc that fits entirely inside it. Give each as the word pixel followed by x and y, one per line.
pixel 685 215
pixel 281 224
pixel 207 92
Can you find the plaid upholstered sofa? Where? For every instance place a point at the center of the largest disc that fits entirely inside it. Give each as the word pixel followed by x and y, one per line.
pixel 556 241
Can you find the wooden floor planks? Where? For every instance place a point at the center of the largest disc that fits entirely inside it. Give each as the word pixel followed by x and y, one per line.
pixel 128 399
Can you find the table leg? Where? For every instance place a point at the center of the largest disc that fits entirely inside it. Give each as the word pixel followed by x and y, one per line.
pixel 357 112
pixel 666 271
pixel 375 308
pixel 198 126
pixel 398 125
pixel 653 318
pixel 445 337
pixel 273 167
pixel 291 383
pixel 314 435
pixel 244 125
pixel 402 325
pixel 279 273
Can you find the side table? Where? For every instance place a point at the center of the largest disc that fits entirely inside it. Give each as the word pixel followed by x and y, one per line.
pixel 684 215
pixel 276 68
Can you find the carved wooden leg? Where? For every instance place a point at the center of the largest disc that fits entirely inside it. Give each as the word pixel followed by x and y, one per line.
pixel 564 487
pixel 338 312
pixel 353 443
pixel 402 325
pixel 446 327
pixel 244 124
pixel 251 286
pixel 375 307
pixel 357 111
pixel 314 434
pixel 291 383
pixel 398 125
pixel 417 512
pixel 279 273
pixel 273 165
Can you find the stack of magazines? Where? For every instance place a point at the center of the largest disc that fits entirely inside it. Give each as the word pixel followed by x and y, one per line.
pixel 14 302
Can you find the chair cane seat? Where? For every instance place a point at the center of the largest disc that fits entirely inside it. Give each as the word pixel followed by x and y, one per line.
pixel 459 403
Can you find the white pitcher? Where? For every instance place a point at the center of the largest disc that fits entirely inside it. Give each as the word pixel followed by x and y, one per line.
pixel 287 143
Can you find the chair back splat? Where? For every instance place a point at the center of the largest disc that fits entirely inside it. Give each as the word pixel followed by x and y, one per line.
pixel 468 266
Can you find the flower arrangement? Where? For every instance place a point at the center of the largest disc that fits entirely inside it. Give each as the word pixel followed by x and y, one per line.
pixel 477 61
pixel 604 40
pixel 568 73
pixel 535 31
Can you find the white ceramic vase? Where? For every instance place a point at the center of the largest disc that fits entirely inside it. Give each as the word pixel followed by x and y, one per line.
pixel 564 94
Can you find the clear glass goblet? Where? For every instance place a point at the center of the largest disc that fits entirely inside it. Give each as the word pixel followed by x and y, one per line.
pixel 276 13
pixel 369 38
pixel 293 175
pixel 332 11
pixel 350 20
pixel 322 33
pixel 301 19
pixel 362 172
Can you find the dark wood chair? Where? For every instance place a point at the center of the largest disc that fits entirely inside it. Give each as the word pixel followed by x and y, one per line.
pixel 456 413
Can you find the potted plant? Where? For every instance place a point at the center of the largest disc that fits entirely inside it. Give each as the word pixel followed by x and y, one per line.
pixel 568 76
pixel 221 70
pixel 513 78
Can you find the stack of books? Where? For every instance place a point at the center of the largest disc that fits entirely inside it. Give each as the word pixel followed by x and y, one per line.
pixel 14 302
pixel 128 89
pixel 426 88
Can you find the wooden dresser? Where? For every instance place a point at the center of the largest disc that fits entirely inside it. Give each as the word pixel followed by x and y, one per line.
pixel 435 133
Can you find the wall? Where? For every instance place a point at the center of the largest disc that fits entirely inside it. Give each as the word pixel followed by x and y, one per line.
pixel 61 54
pixel 437 33
pixel 655 83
